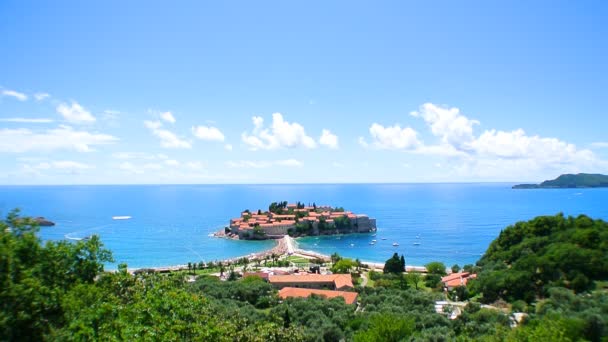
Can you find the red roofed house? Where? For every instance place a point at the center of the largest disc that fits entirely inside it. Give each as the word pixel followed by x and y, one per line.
pixel 313 281
pixel 457 279
pixel 291 292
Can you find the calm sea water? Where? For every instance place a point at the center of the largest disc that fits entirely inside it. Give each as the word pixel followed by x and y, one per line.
pixel 453 223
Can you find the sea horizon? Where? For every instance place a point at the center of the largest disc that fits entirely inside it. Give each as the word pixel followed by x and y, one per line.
pixel 171 224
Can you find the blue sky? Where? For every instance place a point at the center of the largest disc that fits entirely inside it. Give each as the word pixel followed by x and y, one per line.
pixel 120 92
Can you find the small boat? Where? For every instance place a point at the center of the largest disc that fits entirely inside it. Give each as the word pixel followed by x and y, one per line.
pixel 383 239
pixel 374 241
pixel 417 236
pixel 121 217
pixel 395 244
pixel 416 243
pixel 352 245
pixel 374 235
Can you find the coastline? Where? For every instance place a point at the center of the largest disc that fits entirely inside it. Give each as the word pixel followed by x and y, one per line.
pixel 284 247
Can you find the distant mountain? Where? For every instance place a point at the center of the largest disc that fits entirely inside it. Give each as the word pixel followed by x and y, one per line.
pixel 581 180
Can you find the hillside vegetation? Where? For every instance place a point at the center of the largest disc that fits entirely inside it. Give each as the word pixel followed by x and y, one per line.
pixel 529 258
pixel 581 180
pixel 58 291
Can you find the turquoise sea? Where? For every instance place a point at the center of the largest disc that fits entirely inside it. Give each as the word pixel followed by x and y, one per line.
pixel 170 224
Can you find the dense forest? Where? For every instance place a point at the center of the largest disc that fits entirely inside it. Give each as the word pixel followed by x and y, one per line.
pixel 59 291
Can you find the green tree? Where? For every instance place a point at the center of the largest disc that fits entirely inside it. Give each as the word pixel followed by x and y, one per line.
pixel 394 265
pixel 436 267
pixel 335 257
pixel 343 266
pixel 386 327
pixel 414 278
pixel 34 278
pixel 455 268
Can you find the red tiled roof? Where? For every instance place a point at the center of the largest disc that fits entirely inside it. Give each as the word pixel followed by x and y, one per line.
pixel 340 280
pixel 458 279
pixel 290 292
pixel 455 276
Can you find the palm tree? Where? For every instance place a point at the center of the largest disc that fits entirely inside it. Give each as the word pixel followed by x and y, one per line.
pixel 189 267
pixel 275 257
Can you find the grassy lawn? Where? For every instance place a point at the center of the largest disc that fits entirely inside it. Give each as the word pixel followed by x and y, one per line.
pixel 297 259
pixel 370 282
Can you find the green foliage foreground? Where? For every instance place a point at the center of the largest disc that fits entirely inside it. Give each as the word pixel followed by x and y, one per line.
pixel 530 258
pixel 59 291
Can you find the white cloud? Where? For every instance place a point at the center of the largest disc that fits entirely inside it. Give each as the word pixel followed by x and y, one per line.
pixel 228 147
pixel 62 165
pixel 139 155
pixel 167 138
pixel 600 144
pixel 264 163
pixel 75 113
pixel 453 128
pixel 130 168
pixel 57 167
pixel 195 165
pixel 281 134
pixel 153 125
pixel 328 139
pixel 62 138
pixel 27 120
pixel 12 93
pixel 493 154
pixel 392 137
pixel 172 162
pixel 168 117
pixel 41 96
pixel 208 133
pixel 362 142
pixel 258 123
pixel 517 145
pixel 152 166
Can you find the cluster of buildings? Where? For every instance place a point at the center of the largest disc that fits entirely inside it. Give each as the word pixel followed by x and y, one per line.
pixel 319 220
pixel 304 285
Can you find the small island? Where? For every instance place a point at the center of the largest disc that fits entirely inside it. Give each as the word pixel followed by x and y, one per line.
pixel 43 222
pixel 297 219
pixel 581 180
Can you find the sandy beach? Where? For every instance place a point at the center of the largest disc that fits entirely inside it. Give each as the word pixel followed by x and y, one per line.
pixel 284 247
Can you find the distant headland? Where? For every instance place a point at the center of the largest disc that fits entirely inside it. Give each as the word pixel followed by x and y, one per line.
pixel 297 219
pixel 581 180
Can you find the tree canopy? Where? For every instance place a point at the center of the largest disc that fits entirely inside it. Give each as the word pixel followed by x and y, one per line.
pixel 395 264
pixel 529 258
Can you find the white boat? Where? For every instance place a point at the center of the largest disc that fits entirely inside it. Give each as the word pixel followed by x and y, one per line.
pixel 352 245
pixel 121 217
pixel 416 243
pixel 395 244
pixel 374 241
